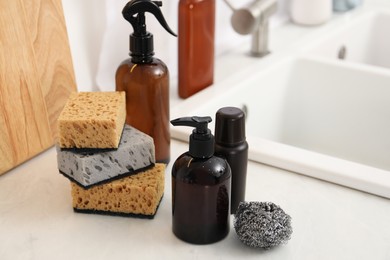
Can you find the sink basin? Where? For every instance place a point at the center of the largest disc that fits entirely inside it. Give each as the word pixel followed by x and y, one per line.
pixel 364 40
pixel 318 117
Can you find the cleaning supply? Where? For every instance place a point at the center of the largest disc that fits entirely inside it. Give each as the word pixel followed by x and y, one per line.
pixel 135 154
pixel 230 143
pixel 145 79
pixel 137 195
pixel 92 120
pixel 196 45
pixel 262 224
pixel 200 187
pixel 125 181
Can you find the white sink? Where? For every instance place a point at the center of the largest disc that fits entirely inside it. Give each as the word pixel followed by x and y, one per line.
pixel 309 112
pixel 366 40
pixel 315 117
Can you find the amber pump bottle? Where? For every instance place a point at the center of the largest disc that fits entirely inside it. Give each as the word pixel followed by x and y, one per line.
pixel 145 79
pixel 196 45
pixel 200 188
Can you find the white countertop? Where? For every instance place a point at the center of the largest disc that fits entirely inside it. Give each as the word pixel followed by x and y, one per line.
pixel 329 221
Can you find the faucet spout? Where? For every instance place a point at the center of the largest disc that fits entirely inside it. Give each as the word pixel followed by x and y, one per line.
pixel 259 47
pixel 254 19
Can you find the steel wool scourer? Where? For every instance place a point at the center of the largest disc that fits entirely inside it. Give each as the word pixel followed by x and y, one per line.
pixel 262 224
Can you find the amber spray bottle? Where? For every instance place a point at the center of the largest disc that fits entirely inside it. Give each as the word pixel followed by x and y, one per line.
pixel 196 45
pixel 200 188
pixel 145 79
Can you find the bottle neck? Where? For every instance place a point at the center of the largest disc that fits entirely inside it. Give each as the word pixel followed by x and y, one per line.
pixel 201 146
pixel 141 48
pixel 146 59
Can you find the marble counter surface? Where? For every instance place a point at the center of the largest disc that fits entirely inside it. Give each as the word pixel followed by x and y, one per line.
pixel 329 221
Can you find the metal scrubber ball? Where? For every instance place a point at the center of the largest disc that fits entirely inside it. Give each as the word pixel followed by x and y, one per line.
pixel 262 224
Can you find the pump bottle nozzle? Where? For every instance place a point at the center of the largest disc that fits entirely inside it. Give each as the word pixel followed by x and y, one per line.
pixel 201 139
pixel 200 123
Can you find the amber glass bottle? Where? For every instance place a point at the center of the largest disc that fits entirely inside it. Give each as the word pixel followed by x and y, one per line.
pixel 196 45
pixel 145 79
pixel 200 199
pixel 201 184
pixel 147 101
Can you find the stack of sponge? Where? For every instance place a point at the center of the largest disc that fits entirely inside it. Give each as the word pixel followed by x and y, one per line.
pixel 111 165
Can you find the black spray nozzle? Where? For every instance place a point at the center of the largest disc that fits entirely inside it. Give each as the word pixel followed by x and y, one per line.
pixel 141 41
pixel 134 12
pixel 201 139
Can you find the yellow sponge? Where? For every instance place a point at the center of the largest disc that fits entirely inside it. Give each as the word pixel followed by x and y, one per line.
pixel 137 195
pixel 92 120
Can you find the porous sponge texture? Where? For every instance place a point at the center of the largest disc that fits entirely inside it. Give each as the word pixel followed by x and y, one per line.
pixel 138 194
pixel 135 153
pixel 92 120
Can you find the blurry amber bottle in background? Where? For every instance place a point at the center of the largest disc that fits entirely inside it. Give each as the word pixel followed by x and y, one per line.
pixel 196 45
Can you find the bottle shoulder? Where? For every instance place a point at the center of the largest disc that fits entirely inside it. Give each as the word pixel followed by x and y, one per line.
pixel 154 62
pixel 208 171
pixel 155 70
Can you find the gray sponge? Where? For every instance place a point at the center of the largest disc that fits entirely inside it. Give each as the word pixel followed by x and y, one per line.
pixel 262 224
pixel 135 153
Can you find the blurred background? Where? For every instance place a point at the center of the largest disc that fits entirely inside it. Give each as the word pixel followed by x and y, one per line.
pixel 99 37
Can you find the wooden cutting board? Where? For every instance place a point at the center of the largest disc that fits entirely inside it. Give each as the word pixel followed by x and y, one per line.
pixel 36 77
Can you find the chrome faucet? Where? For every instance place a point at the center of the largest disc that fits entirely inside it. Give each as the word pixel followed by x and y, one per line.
pixel 254 19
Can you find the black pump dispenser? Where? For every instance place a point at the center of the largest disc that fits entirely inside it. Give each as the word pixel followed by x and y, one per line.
pixel 201 184
pixel 201 139
pixel 141 41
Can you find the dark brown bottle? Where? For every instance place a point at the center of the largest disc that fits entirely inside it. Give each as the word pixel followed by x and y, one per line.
pixel 196 45
pixel 230 143
pixel 147 101
pixel 200 188
pixel 145 79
